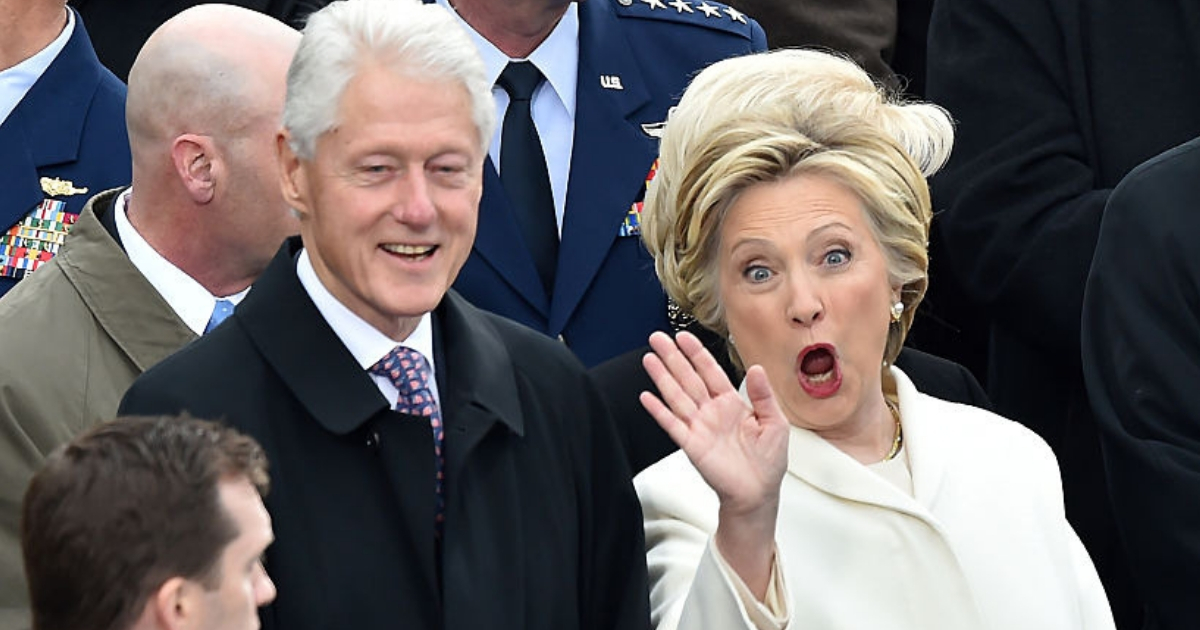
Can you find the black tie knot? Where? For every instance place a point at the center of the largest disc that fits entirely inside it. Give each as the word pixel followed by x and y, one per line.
pixel 520 79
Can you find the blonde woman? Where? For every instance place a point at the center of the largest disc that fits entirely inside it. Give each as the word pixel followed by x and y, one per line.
pixel 790 213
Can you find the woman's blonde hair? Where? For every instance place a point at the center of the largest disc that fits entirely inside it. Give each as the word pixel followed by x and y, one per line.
pixel 771 116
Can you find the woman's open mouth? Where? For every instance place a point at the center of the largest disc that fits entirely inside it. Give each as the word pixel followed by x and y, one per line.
pixel 818 370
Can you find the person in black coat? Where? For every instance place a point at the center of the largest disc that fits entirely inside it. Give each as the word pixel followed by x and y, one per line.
pixel 466 478
pixel 1056 101
pixel 622 379
pixel 1141 362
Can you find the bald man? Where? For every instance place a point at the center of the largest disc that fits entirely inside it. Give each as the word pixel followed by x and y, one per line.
pixel 147 269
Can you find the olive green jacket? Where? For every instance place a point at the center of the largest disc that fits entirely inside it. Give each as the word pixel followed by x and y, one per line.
pixel 73 337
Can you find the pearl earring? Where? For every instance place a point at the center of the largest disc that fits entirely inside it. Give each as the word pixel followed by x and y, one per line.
pixel 897 311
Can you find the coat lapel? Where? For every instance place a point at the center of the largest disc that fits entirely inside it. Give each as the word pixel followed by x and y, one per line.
pixel 47 126
pixel 476 375
pixel 305 352
pixel 123 302
pixel 484 422
pixel 498 241
pixel 611 158
pixel 925 444
pixel 324 377
pixel 822 465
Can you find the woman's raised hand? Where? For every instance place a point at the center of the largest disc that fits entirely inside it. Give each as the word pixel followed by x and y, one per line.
pixel 740 449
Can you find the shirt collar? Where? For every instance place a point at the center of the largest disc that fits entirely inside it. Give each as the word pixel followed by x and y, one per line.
pixel 366 344
pixel 188 298
pixel 557 57
pixel 15 82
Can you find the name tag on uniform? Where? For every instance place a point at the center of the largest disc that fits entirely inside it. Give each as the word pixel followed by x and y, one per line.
pixel 34 240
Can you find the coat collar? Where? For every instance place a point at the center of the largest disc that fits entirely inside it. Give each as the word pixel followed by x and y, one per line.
pixel 476 380
pixel 123 302
pixel 47 125
pixel 820 464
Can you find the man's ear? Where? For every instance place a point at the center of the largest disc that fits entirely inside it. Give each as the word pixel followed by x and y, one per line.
pixel 197 166
pixel 173 605
pixel 293 176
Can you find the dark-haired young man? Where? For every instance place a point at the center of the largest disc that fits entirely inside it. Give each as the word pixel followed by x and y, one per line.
pixel 149 523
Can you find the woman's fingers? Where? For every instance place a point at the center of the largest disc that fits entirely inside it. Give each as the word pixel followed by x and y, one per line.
pixel 713 377
pixel 680 403
pixel 679 364
pixel 677 429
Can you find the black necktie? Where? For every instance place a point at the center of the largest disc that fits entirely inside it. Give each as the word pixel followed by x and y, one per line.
pixel 523 170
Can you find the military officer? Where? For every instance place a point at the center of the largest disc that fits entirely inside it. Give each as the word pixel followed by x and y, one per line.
pixel 558 246
pixel 62 131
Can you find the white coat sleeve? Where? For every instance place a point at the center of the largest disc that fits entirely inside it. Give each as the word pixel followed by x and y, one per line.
pixel 1094 610
pixel 691 585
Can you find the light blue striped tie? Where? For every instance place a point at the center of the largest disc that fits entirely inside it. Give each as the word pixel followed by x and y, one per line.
pixel 223 309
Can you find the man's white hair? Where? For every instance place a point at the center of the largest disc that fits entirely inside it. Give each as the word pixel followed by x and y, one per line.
pixel 421 41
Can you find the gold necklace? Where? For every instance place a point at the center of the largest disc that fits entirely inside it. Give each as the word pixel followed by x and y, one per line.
pixel 897 441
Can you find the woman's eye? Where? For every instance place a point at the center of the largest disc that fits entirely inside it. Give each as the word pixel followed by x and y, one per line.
pixel 837 257
pixel 758 274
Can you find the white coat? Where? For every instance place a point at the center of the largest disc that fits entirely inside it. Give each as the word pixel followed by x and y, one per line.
pixel 984 543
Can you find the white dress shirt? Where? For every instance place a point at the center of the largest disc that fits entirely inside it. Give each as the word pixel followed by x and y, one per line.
pixel 553 104
pixel 16 81
pixel 366 344
pixel 190 301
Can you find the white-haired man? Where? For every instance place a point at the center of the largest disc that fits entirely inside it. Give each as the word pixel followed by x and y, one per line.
pixel 434 466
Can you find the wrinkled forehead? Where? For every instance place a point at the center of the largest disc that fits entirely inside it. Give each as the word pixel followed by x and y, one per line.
pixel 381 106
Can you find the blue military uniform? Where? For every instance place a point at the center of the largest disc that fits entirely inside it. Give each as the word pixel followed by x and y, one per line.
pixel 64 142
pixel 635 59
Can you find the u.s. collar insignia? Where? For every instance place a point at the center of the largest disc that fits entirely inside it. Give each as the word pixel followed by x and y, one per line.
pixel 56 187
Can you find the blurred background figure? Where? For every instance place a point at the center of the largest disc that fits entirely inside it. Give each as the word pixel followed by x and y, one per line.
pixel 790 214
pixel 120 27
pixel 149 524
pixel 62 131
pixel 582 90
pixel 149 268
pixel 1141 362
pixel 1056 101
pixel 885 37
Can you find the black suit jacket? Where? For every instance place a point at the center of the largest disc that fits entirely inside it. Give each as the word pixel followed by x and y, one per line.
pixel 1056 101
pixel 622 378
pixel 1141 362
pixel 542 530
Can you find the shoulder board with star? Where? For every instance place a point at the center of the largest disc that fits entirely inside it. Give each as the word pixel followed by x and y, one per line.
pixel 704 13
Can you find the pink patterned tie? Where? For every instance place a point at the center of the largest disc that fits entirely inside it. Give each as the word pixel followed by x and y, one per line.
pixel 408 370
